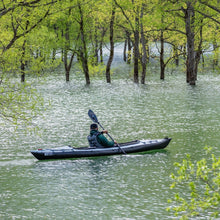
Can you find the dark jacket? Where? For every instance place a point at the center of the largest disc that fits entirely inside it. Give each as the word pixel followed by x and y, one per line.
pixel 100 138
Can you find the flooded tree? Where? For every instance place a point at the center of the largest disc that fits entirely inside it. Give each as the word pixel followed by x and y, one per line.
pixel 83 54
pixel 134 26
pixel 111 39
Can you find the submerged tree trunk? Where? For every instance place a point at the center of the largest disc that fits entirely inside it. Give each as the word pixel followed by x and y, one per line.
pixel 83 49
pixel 111 56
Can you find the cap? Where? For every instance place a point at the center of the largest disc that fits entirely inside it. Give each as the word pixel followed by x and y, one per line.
pixel 93 126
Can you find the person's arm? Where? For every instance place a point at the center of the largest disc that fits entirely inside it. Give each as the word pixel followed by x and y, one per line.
pixel 104 141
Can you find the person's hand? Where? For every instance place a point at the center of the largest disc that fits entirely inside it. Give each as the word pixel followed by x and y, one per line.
pixel 115 142
pixel 105 132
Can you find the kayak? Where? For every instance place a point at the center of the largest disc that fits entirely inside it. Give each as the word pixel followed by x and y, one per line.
pixel 123 148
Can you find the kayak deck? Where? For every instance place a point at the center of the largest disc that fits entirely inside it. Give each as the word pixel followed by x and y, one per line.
pixel 128 147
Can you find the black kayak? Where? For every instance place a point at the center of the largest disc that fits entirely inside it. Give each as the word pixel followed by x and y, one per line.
pixel 123 148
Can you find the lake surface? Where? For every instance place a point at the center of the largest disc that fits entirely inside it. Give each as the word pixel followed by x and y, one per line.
pixel 116 187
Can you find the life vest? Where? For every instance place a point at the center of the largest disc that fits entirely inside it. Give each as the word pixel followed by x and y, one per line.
pixel 93 142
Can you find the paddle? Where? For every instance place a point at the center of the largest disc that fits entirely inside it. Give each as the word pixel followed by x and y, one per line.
pixel 95 119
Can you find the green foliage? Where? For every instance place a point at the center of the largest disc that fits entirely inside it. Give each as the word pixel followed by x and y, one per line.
pixel 97 70
pixel 201 182
pixel 19 104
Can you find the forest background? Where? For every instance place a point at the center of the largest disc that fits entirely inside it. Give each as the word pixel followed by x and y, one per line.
pixel 37 36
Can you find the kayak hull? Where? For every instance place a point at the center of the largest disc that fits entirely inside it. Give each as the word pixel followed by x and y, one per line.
pixel 124 148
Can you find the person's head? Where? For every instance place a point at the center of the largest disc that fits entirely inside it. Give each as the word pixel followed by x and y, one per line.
pixel 93 127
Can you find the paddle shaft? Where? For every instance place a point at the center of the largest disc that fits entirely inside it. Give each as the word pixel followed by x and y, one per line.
pixel 107 133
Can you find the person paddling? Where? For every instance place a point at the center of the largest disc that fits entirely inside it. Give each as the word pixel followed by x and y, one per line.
pixel 97 139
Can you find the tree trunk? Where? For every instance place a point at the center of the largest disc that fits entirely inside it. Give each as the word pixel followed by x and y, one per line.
pixel 144 55
pixel 68 66
pixel 54 49
pixel 54 54
pixel 125 50
pixel 162 64
pixel 101 52
pixel 216 54
pixel 129 47
pixel 23 62
pixel 190 63
pixel 136 48
pixel 96 49
pixel 175 54
pixel 111 56
pixel 65 53
pixel 83 49
pixel 199 51
pixel 101 45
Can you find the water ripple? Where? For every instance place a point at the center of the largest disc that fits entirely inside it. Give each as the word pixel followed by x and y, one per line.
pixel 118 187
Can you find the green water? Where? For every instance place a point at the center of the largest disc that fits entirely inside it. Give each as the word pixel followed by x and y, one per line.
pixel 115 187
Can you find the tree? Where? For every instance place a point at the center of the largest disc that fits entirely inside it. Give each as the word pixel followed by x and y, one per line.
pixel 144 49
pixel 14 17
pixel 20 23
pixel 83 53
pixel 211 11
pixel 186 11
pixel 111 27
pixel 202 183
pixel 69 35
pixel 195 15
pixel 134 24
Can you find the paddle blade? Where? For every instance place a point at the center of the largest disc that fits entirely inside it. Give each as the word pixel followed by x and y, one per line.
pixel 92 116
